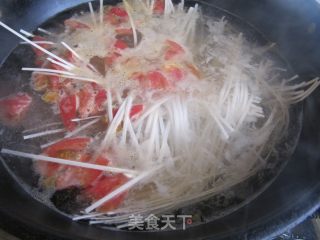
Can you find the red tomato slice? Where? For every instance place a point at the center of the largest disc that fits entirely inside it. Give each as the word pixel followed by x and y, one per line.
pixel 111 58
pixel 157 80
pixel 14 107
pixel 38 52
pixel 57 67
pixel 39 62
pixel 175 73
pixel 120 12
pixel 139 76
pixel 120 44
pixel 68 111
pixel 172 49
pixel 104 186
pixel 87 100
pixel 194 70
pixel 124 31
pixel 158 7
pixel 39 82
pixel 76 176
pixel 73 144
pixel 53 82
pixel 116 16
pixel 100 99
pixel 153 79
pixel 65 149
pixel 135 109
pixel 75 24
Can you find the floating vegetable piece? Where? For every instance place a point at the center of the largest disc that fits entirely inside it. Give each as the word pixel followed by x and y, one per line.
pixel 120 44
pixel 75 144
pixel 86 101
pixel 13 108
pixel 68 111
pixel 100 100
pixel 75 176
pixel 175 73
pixel 54 83
pixel 111 58
pixel 116 16
pixel 126 35
pixel 39 82
pixel 99 64
pixel 152 79
pixel 172 49
pixel 50 97
pixel 104 186
pixel 159 7
pixel 156 80
pixel 44 45
pixel 194 70
pixel 74 24
pixel 65 149
pixel 135 110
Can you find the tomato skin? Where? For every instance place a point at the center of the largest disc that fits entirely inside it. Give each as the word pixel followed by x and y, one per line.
pixel 157 80
pixel 159 7
pixel 87 100
pixel 193 69
pixel 39 82
pixel 65 149
pixel 54 83
pixel 152 79
pixel 124 31
pixel 63 176
pixel 14 107
pixel 111 58
pixel 104 186
pixel 175 73
pixel 68 111
pixel 116 16
pixel 135 110
pixel 50 97
pixel 172 49
pixel 76 176
pixel 38 52
pixel 74 144
pixel 118 11
pixel 75 24
pixel 120 44
pixel 100 99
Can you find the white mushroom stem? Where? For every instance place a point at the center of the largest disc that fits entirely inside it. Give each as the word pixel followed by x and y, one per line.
pixel 28 34
pixel 101 12
pixel 67 162
pixel 85 119
pixel 47 70
pixel 134 30
pixel 45 31
pixel 83 127
pixel 59 64
pixel 39 42
pixel 44 133
pixel 93 17
pixel 71 50
pixel 68 76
